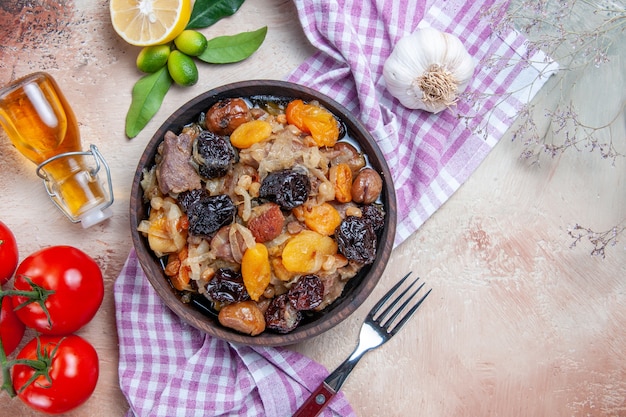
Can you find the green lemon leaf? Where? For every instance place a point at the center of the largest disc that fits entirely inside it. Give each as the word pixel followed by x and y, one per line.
pixel 207 12
pixel 147 97
pixel 235 48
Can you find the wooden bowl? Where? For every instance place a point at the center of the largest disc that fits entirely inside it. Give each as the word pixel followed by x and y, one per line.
pixel 196 313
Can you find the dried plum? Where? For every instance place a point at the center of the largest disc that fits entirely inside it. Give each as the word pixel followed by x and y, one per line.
pixel 208 214
pixel 356 240
pixel 373 215
pixel 281 316
pixel 307 293
pixel 214 155
pixel 227 287
pixel 287 188
pixel 187 198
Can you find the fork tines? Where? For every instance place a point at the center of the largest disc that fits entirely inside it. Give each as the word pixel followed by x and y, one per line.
pixel 410 304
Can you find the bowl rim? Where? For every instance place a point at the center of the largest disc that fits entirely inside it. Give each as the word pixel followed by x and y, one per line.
pixel 341 308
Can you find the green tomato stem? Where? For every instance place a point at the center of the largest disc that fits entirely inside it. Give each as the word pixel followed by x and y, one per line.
pixel 7 384
pixel 37 294
pixel 41 365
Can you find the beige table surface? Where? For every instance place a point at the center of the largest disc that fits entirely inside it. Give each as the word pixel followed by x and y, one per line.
pixel 518 324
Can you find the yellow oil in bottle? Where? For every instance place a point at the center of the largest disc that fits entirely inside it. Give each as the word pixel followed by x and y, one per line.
pixel 41 125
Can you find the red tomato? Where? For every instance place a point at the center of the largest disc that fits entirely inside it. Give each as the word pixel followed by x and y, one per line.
pixel 11 328
pixel 8 253
pixel 76 281
pixel 72 364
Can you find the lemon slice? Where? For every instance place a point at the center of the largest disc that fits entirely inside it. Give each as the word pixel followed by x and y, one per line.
pixel 149 22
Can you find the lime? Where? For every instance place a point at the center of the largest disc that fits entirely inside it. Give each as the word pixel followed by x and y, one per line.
pixel 153 58
pixel 182 69
pixel 191 42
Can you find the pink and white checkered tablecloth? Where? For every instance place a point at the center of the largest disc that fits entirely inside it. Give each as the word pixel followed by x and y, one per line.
pixel 167 368
pixel 430 155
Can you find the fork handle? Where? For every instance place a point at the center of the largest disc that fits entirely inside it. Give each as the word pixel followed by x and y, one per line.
pixel 325 392
pixel 316 402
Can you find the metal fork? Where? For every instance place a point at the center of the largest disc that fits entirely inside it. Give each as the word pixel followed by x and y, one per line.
pixel 377 329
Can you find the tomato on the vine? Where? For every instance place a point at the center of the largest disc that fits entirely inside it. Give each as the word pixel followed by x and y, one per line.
pixel 11 328
pixel 76 285
pixel 9 254
pixel 67 378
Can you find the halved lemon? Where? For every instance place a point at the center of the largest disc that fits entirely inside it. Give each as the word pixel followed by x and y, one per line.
pixel 149 22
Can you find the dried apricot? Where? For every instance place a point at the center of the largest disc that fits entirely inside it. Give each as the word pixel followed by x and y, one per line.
pixel 177 271
pixel 280 271
pixel 323 219
pixel 256 270
pixel 249 133
pixel 295 114
pixel 340 176
pixel 313 119
pixel 306 252
pixel 181 280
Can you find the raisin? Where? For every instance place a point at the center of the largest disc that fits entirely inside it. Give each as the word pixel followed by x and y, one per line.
pixel 287 188
pixel 227 287
pixel 373 215
pixel 208 214
pixel 307 293
pixel 356 240
pixel 281 316
pixel 213 154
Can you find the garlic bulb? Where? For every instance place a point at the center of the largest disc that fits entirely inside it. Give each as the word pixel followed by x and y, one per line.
pixel 428 69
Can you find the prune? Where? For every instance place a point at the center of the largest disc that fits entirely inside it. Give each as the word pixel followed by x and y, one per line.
pixel 226 115
pixel 208 214
pixel 187 198
pixel 356 240
pixel 213 154
pixel 227 287
pixel 373 215
pixel 287 188
pixel 307 293
pixel 281 316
